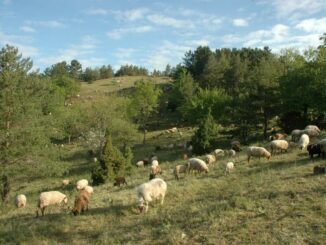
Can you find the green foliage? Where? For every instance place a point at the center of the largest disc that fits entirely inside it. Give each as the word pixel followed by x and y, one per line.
pixel 131 70
pixel 91 75
pixel 206 135
pixel 66 85
pixel 128 155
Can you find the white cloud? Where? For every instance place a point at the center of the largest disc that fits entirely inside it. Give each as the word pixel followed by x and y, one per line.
pixel 51 24
pixel 169 21
pixel 296 7
pixel 6 2
pixel 240 22
pixel 118 33
pixel 27 29
pixel 97 11
pixel 131 15
pixel 312 25
pixel 198 42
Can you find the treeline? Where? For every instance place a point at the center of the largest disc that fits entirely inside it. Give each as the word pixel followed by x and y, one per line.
pixel 74 70
pixel 250 90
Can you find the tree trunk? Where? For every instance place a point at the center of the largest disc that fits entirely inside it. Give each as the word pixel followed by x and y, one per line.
pixel 265 125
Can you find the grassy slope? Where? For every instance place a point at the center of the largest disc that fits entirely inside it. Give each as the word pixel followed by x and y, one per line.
pixel 264 202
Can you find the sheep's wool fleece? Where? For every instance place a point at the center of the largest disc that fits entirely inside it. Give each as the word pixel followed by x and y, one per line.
pixel 257 151
pixel 51 197
pixel 151 189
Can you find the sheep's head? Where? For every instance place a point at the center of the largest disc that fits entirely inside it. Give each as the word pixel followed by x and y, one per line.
pixel 141 205
pixel 65 200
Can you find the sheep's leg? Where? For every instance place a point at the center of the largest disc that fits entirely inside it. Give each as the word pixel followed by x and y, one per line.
pixel 42 210
pixel 146 207
pixel 248 159
pixel 162 199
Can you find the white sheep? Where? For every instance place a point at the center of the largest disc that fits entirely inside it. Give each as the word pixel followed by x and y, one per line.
pixel 229 167
pixel 209 159
pixel 232 153
pixel 21 201
pixel 50 198
pixel 140 164
pixel 81 184
pixel 255 151
pixel 89 189
pixel 219 152
pixel 65 182
pixel 304 141
pixel 310 132
pixel 197 165
pixel 154 163
pixel 279 145
pixel 153 189
pixel 314 127
pixel 180 169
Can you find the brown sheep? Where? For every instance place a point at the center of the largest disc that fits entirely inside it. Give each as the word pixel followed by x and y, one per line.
pixel 155 170
pixel 81 202
pixel 278 136
pixel 235 145
pixel 119 181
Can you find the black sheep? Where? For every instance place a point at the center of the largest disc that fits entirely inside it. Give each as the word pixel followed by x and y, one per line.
pixel 314 149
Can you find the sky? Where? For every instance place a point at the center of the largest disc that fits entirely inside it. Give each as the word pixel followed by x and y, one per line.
pixel 151 33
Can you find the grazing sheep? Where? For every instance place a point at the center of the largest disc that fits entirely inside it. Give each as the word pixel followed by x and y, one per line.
pixel 21 201
pixel 119 181
pixel 89 189
pixel 303 141
pixel 279 145
pixel 153 189
pixel 278 136
pixel 232 153
pixel 140 164
pixel 219 152
pixel 235 145
pixel 81 202
pixel 314 127
pixel 229 167
pixel 310 132
pixel 155 170
pixel 323 146
pixel 154 163
pixel 50 198
pixel 210 159
pixel 255 151
pixel 197 165
pixel 296 133
pixel 180 169
pixel 81 184
pixel 314 149
pixel 65 182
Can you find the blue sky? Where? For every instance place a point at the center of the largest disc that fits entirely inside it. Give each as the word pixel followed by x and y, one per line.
pixel 153 33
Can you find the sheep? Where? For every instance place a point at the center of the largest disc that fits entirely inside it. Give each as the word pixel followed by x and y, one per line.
pixel 50 198
pixel 314 127
pixel 197 164
pixel 232 153
pixel 21 201
pixel 155 170
pixel 323 146
pixel 81 184
pixel 89 189
pixel 255 151
pixel 303 141
pixel 154 163
pixel 229 167
pixel 218 152
pixel 295 134
pixel 180 169
pixel 279 145
pixel 185 156
pixel 235 145
pixel 277 136
pixel 146 192
pixel 314 149
pixel 209 159
pixel 81 202
pixel 65 182
pixel 310 132
pixel 140 164
pixel 119 181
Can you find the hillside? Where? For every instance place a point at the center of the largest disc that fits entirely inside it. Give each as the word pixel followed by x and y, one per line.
pixel 263 202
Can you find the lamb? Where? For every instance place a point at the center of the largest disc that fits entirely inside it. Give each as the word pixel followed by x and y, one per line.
pixel 235 145
pixel 146 192
pixel 140 164
pixel 81 184
pixel 50 198
pixel 197 164
pixel 210 159
pixel 81 202
pixel 155 170
pixel 180 169
pixel 154 163
pixel 229 167
pixel 89 189
pixel 219 152
pixel 314 149
pixel 65 182
pixel 21 201
pixel 119 181
pixel 279 145
pixel 304 141
pixel 314 127
pixel 255 151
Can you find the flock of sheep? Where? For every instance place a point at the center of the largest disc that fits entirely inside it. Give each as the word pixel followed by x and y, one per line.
pixel 156 188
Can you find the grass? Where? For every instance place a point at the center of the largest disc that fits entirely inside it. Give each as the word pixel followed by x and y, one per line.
pixel 264 202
